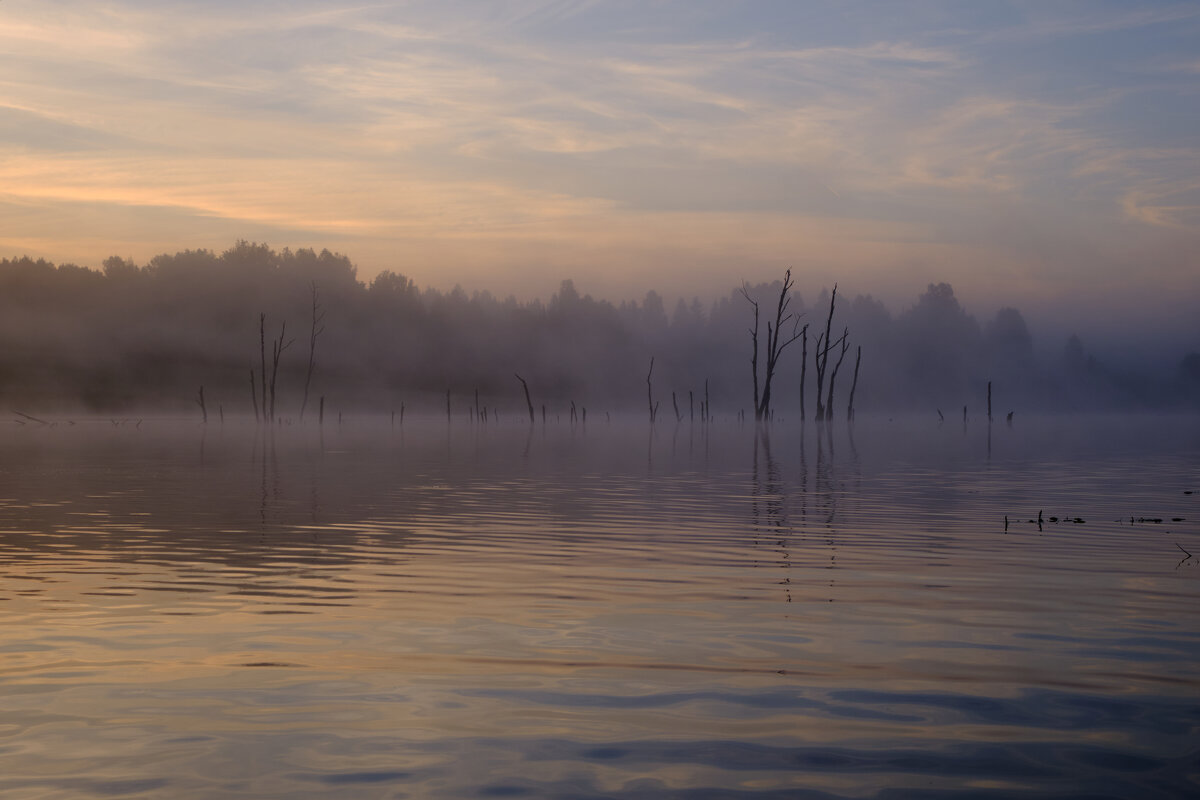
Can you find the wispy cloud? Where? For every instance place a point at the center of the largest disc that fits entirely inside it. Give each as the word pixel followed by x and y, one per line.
pixel 565 129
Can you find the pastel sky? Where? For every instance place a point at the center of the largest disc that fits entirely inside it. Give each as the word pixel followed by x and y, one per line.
pixel 1041 154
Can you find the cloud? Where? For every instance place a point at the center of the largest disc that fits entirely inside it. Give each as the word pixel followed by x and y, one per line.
pixel 566 133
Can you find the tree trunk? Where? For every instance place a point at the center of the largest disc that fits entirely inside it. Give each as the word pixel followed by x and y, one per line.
pixel 821 354
pixel 254 397
pixel 845 345
pixel 803 369
pixel 277 348
pixel 203 408
pixel 650 392
pixel 754 350
pixel 262 355
pixel 775 345
pixel 318 316
pixel 853 386
pixel 528 402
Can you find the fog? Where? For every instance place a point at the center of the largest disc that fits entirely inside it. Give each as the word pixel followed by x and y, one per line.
pixel 145 338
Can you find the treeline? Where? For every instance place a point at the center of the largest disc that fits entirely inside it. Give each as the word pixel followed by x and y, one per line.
pixel 142 337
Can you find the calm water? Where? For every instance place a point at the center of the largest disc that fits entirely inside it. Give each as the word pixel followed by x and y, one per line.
pixel 372 612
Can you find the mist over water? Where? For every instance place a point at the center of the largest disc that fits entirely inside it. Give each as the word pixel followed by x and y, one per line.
pixel 143 340
pixel 603 610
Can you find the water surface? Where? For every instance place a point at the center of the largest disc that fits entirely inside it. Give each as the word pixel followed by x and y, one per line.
pixel 611 611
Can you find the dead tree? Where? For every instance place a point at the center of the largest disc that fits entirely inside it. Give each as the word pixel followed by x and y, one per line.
pixel 277 348
pixel 821 355
pixel 675 403
pixel 803 369
pixel 262 355
pixel 845 345
pixel 775 344
pixel 853 386
pixel 989 401
pixel 753 345
pixel 254 397
pixel 203 408
pixel 528 402
pixel 650 393
pixel 318 327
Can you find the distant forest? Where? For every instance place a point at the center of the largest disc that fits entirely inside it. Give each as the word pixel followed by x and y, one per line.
pixel 141 338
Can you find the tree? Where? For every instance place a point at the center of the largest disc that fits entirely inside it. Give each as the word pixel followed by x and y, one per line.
pixel 277 348
pixel 318 318
pixel 821 358
pixel 776 344
pixel 528 402
pixel 845 345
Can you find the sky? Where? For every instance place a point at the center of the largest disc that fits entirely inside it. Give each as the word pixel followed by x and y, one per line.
pixel 1043 155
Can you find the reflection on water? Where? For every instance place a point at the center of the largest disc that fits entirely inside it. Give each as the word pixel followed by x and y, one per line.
pixel 601 611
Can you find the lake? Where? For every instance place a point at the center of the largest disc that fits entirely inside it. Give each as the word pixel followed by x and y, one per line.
pixel 368 610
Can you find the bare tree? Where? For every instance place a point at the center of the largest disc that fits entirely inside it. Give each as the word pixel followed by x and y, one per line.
pixel 854 385
pixel 528 402
pixel 203 407
pixel 262 355
pixel 845 345
pixel 254 396
pixel 803 368
pixel 277 348
pixel 821 355
pixel 650 393
pixel 776 344
pixel 753 346
pixel 318 327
